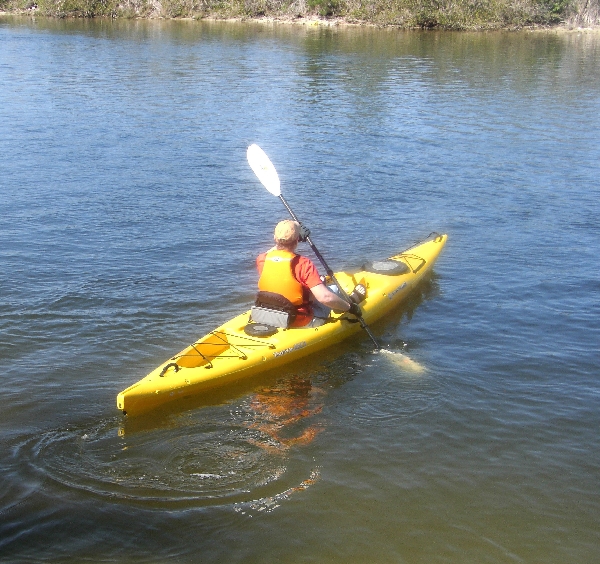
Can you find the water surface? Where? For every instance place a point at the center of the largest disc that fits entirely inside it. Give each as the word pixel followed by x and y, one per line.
pixel 129 226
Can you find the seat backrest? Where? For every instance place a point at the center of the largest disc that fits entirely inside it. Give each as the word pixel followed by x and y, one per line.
pixel 271 300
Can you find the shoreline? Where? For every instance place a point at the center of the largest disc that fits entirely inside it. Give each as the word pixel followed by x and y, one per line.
pixel 312 21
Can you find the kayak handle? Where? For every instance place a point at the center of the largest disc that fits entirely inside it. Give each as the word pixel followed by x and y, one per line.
pixel 170 365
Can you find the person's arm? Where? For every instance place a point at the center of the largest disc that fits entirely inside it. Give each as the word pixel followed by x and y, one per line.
pixel 309 276
pixel 328 298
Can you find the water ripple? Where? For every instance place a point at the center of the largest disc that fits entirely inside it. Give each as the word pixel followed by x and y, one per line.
pixel 392 387
pixel 179 467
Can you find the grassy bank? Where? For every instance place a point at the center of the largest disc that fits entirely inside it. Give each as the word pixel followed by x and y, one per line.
pixel 441 14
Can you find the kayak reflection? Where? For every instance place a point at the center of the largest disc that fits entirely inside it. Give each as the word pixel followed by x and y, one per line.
pixel 284 414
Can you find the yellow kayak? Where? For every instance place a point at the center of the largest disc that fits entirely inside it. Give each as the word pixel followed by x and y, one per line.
pixel 234 350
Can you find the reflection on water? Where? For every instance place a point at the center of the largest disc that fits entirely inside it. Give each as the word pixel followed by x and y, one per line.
pixel 282 413
pixel 198 459
pixel 282 416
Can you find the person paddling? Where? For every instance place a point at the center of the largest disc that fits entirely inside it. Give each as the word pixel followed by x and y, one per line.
pixel 285 273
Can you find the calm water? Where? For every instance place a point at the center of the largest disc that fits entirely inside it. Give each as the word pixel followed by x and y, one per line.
pixel 129 224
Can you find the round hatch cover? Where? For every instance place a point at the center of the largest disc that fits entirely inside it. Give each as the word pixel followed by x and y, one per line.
pixel 259 330
pixel 389 267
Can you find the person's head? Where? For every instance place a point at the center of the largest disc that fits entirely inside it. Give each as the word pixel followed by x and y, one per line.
pixel 287 233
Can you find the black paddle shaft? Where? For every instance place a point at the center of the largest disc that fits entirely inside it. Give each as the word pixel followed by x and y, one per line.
pixel 331 274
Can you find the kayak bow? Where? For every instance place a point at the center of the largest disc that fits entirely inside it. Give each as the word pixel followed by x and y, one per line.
pixel 233 351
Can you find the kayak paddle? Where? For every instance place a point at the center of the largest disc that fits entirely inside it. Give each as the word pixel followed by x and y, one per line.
pixel 266 173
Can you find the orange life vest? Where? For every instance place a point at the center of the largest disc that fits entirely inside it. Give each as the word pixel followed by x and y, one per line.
pixel 277 276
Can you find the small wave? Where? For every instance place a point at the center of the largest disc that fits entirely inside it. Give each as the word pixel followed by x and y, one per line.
pixel 392 387
pixel 270 503
pixel 187 466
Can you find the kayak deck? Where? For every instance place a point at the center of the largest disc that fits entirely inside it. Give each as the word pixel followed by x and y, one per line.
pixel 228 353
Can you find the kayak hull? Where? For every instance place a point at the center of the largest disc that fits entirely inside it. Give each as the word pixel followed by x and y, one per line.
pixel 228 354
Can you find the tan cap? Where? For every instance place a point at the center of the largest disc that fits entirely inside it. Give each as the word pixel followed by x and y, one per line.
pixel 287 232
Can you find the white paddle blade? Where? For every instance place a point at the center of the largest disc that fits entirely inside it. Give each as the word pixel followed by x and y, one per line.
pixel 264 169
